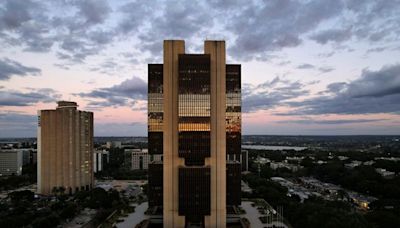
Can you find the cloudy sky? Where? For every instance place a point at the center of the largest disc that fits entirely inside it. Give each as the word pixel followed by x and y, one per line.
pixel 308 67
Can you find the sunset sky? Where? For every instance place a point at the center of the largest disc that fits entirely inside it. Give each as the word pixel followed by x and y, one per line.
pixel 323 67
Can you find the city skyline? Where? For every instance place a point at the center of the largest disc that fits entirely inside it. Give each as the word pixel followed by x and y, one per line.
pixel 309 67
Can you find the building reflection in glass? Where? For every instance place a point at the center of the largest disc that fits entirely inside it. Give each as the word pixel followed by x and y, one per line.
pixel 233 110
pixel 194 108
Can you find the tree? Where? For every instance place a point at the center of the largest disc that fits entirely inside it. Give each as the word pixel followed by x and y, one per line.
pixel 24 195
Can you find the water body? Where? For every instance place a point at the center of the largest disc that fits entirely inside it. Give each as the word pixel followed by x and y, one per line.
pixel 264 147
pixel 134 218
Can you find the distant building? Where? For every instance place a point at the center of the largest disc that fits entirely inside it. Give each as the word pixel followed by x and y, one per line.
pixel 10 145
pixel 29 156
pixel 369 162
pixel 141 158
pixel 385 173
pixel 11 162
pixel 100 157
pixel 65 149
pixel 353 164
pixel 291 167
pixel 114 144
pixel 242 158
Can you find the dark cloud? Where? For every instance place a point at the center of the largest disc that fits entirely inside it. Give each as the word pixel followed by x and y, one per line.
pixel 62 66
pixel 134 14
pixel 326 69
pixel 14 13
pixel 77 27
pixel 273 25
pixel 178 20
pixel 94 11
pixel 254 29
pixel 25 23
pixel 331 122
pixel 110 67
pixel 124 94
pixel 336 87
pixel 17 98
pixel 375 20
pixel 371 20
pixel 333 35
pixel 270 94
pixel 9 68
pixel 284 63
pixel 305 66
pixel 377 49
pixel 373 92
pixel 383 82
pixel 326 54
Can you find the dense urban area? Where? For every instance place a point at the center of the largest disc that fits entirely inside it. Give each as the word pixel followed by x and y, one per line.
pixel 287 181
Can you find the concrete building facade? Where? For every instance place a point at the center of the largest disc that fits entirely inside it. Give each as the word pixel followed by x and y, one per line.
pixel 194 121
pixel 141 158
pixel 100 157
pixel 65 149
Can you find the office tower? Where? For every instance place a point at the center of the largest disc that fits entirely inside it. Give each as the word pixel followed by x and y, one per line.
pixel 194 120
pixel 11 162
pixel 65 149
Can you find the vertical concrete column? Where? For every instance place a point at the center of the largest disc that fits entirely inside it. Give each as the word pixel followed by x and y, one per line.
pixel 216 50
pixel 171 162
pixel 39 154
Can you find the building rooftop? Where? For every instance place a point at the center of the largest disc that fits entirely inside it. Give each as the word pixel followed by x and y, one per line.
pixel 66 104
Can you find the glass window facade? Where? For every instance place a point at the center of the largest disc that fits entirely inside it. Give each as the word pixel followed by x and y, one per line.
pixel 233 183
pixel 194 138
pixel 194 108
pixel 155 192
pixel 155 108
pixel 194 191
pixel 233 110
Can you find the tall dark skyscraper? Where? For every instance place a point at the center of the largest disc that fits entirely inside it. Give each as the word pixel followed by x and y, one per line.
pixel 194 120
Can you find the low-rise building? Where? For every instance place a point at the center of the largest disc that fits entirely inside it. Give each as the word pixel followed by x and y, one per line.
pixel 114 144
pixel 11 162
pixel 385 173
pixel 291 167
pixel 369 162
pixel 141 158
pixel 342 158
pixel 353 164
